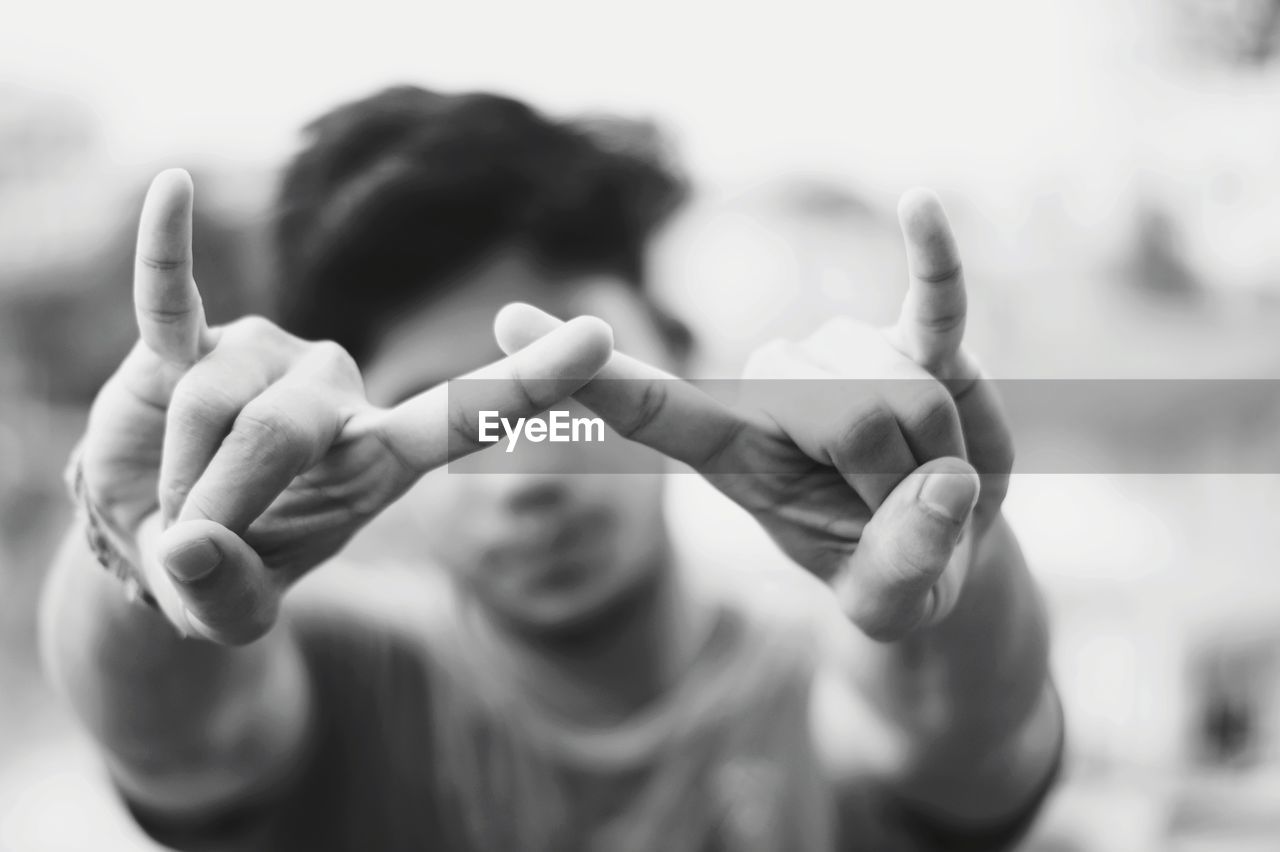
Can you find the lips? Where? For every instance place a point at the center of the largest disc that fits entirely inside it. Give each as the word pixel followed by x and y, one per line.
pixel 552 550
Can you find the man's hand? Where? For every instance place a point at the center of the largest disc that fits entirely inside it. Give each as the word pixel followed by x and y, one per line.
pixel 866 477
pixel 930 331
pixel 254 455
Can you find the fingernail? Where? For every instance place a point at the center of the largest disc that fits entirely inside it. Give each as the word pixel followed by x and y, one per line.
pixel 951 495
pixel 193 560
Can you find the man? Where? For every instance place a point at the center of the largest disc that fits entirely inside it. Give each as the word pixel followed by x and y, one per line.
pixel 548 675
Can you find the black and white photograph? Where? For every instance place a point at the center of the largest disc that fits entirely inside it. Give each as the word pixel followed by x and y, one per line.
pixel 674 427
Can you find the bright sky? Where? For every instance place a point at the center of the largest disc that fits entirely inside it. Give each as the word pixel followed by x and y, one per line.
pixel 889 92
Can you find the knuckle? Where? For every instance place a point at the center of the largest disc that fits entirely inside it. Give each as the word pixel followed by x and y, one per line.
pixel 463 426
pixel 157 263
pixel 268 430
pixel 944 318
pixel 253 325
pixel 299 399
pixel 949 271
pixel 334 358
pixel 201 398
pixel 946 315
pixel 160 315
pixel 933 412
pixel 934 397
pixel 862 426
pixel 652 401
pixel 187 393
pixel 534 396
pixel 719 448
pixel 254 330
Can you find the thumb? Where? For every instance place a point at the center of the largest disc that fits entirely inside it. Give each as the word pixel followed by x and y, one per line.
pixel 212 584
pixel 904 574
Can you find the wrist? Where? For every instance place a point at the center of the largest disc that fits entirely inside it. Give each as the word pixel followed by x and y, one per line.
pixel 993 571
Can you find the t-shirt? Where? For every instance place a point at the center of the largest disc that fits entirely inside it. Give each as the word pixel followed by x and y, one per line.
pixel 419 742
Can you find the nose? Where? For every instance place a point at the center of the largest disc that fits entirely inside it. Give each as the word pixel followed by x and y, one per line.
pixel 527 492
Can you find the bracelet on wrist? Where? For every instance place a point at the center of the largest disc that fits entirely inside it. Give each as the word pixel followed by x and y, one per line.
pixel 103 543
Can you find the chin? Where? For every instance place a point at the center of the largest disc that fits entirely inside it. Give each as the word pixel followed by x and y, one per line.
pixel 560 611
pixel 576 614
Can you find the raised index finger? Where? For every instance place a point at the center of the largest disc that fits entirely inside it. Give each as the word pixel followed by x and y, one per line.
pixel 165 299
pixel 931 326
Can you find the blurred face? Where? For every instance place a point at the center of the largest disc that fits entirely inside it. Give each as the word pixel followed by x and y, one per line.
pixel 541 541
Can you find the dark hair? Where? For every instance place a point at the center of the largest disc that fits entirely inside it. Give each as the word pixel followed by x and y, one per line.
pixel 396 195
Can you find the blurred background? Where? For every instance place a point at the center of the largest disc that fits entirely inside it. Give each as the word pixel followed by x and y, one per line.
pixel 1112 168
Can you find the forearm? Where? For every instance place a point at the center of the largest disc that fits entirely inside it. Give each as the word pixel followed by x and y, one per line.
pixel 184 723
pixel 972 696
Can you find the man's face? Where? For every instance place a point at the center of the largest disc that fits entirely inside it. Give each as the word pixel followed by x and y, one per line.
pixel 540 540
